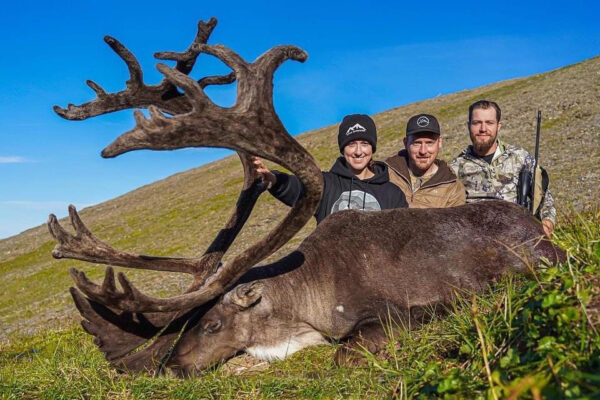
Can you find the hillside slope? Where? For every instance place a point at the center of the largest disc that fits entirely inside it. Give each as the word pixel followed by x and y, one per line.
pixel 181 214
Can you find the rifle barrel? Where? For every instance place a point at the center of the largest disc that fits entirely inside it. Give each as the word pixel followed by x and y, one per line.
pixel 537 136
pixel 535 165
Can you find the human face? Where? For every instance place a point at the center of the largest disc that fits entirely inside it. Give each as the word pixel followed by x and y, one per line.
pixel 422 149
pixel 483 129
pixel 358 155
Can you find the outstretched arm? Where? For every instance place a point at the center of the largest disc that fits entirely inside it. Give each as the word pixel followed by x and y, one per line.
pixel 284 187
pixel 288 188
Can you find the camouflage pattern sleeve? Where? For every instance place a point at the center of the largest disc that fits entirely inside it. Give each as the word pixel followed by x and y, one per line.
pixel 548 211
pixel 454 165
pixel 529 161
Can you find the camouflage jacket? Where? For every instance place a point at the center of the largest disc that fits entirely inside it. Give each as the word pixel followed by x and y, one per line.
pixel 499 179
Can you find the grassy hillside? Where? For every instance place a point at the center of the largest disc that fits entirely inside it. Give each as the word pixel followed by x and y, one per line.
pixel 526 338
pixel 181 214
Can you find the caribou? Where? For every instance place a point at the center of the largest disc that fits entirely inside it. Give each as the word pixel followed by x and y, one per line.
pixel 353 274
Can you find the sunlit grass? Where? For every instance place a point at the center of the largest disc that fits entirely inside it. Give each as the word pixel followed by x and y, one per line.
pixel 539 339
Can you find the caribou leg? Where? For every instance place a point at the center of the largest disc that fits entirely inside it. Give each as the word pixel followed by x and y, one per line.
pixel 369 337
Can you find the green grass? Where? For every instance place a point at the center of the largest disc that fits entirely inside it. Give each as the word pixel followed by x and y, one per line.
pixel 22 261
pixel 539 336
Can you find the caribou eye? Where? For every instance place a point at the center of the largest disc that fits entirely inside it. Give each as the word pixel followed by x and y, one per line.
pixel 211 326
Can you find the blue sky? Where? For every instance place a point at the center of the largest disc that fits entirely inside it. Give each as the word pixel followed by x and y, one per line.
pixel 363 57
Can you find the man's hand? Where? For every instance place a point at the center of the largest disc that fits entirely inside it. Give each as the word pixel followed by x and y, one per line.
pixel 548 227
pixel 265 174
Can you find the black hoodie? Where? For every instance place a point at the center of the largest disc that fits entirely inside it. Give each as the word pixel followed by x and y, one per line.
pixel 341 185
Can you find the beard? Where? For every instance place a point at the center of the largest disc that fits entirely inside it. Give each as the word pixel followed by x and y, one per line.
pixel 481 145
pixel 420 166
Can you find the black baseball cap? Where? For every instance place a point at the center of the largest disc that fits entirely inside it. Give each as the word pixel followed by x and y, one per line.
pixel 422 123
pixel 357 127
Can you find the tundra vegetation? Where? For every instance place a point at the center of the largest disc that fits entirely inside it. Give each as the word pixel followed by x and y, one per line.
pixel 525 337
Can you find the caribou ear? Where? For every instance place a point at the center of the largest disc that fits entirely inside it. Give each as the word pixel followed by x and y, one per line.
pixel 245 295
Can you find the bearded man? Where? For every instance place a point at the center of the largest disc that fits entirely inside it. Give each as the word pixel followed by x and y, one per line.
pixel 489 168
pixel 425 180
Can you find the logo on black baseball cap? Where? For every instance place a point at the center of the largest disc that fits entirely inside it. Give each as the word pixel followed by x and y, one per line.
pixel 421 123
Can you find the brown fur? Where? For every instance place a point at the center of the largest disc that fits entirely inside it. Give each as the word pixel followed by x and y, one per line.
pixel 396 263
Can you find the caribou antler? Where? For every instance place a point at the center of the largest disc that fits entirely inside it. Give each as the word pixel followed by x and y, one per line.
pixel 137 94
pixel 250 126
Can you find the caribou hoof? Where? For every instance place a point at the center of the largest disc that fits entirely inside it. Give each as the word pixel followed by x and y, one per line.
pixel 347 356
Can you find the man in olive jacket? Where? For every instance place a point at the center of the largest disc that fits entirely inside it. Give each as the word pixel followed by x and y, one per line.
pixel 426 181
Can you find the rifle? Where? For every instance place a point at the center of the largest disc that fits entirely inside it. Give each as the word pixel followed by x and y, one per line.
pixel 526 189
pixel 535 165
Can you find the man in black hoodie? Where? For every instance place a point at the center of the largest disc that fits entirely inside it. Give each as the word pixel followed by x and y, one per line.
pixel 354 181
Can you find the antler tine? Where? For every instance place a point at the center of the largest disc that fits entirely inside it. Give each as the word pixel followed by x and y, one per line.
pixel 137 94
pixel 86 247
pixel 269 61
pixel 129 299
pixel 96 88
pixel 232 59
pixel 84 284
pixel 108 285
pixel 186 59
pixel 136 77
pixel 57 231
pixel 80 229
pixel 217 80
